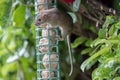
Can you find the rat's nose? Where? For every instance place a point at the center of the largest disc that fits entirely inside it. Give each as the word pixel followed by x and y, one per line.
pixel 37 24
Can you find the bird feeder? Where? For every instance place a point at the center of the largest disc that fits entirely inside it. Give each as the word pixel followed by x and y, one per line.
pixel 47 50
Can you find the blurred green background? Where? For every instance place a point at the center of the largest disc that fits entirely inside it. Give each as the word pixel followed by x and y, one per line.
pixel 17 40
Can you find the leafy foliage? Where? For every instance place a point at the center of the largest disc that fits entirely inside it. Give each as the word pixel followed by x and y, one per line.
pixel 107 54
pixel 17 48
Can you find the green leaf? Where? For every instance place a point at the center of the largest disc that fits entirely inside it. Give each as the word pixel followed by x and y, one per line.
pixel 108 70
pixel 97 42
pixel 112 30
pixel 117 50
pixel 102 33
pixel 87 50
pixel 117 78
pixel 1 30
pixel 33 30
pixel 78 41
pixel 105 56
pixel 115 41
pixel 7 37
pixel 86 64
pixel 117 25
pixel 8 67
pixel 73 16
pixel 101 73
pixel 88 42
pixel 3 51
pixel 93 29
pixel 19 15
pixel 110 20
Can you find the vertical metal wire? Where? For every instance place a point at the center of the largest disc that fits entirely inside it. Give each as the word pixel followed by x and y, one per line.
pixel 37 42
pixel 40 55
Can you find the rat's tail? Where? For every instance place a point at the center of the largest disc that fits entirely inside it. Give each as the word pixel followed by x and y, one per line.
pixel 70 54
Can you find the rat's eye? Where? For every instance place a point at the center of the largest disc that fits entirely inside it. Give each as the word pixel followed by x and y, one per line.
pixel 39 19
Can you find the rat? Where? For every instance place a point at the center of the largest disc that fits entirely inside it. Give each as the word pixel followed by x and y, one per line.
pixel 56 17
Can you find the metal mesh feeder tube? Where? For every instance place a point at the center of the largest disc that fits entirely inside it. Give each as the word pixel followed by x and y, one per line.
pixel 47 50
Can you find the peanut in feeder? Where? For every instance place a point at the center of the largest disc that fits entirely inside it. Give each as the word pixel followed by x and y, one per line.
pixel 46 74
pixel 52 60
pixel 52 34
pixel 44 45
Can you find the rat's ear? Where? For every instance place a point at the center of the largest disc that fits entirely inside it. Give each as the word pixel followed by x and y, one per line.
pixel 45 15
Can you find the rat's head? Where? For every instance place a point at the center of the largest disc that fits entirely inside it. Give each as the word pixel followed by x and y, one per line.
pixel 41 18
